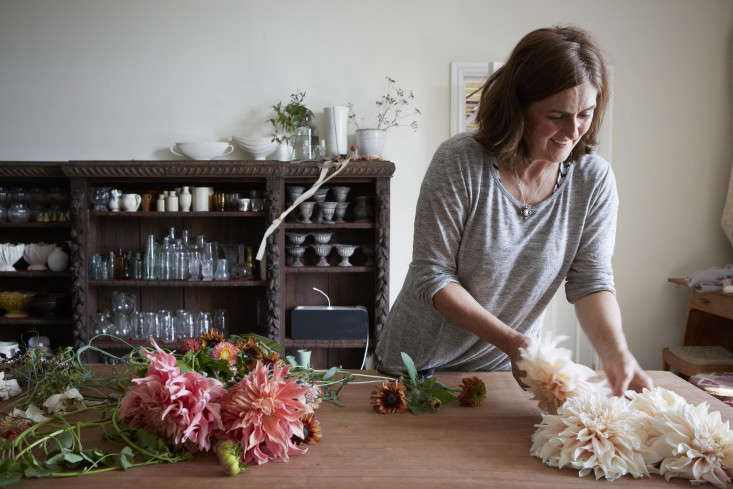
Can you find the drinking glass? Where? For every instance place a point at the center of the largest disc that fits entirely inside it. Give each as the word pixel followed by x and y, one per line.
pixel 203 323
pixel 165 323
pixel 185 327
pixel 194 266
pixel 220 322
pixel 150 320
pixel 222 269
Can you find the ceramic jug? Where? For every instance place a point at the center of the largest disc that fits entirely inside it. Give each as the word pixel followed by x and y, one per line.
pixel 131 202
pixel 171 203
pixel 160 203
pixel 58 260
pixel 114 200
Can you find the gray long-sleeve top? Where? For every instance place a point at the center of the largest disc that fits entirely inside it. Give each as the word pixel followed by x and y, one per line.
pixel 468 230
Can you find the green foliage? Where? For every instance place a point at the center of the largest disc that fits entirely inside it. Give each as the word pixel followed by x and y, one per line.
pixel 393 108
pixel 424 394
pixel 288 118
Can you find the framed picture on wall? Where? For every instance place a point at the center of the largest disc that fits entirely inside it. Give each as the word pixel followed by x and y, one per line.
pixel 465 91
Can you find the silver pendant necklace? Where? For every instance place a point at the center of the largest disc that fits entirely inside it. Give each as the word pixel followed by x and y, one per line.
pixel 526 210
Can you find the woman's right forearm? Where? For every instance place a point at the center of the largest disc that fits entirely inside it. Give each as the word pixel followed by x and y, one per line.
pixel 460 308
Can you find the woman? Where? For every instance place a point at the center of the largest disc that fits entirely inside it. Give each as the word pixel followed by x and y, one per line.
pixel 505 215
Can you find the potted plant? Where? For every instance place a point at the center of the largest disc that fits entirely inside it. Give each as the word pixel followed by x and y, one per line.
pixel 395 108
pixel 287 120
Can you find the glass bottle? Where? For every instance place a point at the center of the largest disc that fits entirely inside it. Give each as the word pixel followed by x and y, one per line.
pixel 149 263
pixel 250 263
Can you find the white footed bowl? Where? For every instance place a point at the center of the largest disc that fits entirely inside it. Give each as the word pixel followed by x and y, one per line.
pixel 258 147
pixel 202 151
pixel 9 254
pixel 36 255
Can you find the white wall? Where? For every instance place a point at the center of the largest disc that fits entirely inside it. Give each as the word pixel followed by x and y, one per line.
pixel 98 79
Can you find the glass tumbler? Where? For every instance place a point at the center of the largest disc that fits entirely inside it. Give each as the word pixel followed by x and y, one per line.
pixel 165 322
pixel 185 326
pixel 203 323
pixel 220 322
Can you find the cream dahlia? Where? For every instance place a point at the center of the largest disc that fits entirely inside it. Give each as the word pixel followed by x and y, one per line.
pixel 592 433
pixel 553 377
pixel 263 413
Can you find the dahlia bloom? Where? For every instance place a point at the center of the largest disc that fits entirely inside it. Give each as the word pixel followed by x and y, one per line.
pixel 263 414
pixel 190 344
pixel 32 412
pixel 553 377
pixel 592 433
pixel 685 441
pixel 183 408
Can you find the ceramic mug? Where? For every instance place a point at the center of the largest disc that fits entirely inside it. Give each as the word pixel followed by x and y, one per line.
pixel 131 202
pixel 8 348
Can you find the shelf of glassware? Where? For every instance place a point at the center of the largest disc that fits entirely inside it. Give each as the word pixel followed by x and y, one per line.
pixel 177 283
pixel 191 214
pixel 330 269
pixel 126 344
pixel 334 225
pixel 293 343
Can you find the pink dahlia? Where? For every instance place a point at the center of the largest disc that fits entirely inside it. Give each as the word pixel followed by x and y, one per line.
pixel 263 414
pixel 225 351
pixel 182 408
pixel 190 344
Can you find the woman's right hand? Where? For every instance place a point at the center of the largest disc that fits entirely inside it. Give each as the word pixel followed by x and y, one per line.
pixel 520 341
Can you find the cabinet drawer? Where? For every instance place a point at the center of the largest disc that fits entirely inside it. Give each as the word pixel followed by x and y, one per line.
pixel 717 304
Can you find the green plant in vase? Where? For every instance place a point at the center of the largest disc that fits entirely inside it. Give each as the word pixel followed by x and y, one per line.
pixel 288 122
pixel 394 109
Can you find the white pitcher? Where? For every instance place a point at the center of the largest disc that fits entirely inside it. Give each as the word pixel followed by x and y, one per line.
pixel 131 202
pixel 184 199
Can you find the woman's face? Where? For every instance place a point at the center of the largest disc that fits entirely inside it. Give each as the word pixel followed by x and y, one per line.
pixel 555 124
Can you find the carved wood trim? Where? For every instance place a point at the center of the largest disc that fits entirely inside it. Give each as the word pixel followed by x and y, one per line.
pixel 357 168
pixel 171 169
pixel 273 321
pixel 31 169
pixel 381 253
pixel 79 216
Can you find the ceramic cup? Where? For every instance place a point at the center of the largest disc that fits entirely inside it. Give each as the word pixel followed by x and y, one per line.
pixel 200 199
pixel 131 202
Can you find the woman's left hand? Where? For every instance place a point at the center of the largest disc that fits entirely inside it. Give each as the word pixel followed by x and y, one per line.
pixel 623 372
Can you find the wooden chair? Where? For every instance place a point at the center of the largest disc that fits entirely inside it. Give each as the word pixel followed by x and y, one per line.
pixel 691 360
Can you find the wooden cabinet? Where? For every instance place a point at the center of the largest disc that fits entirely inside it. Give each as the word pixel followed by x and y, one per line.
pixel 260 304
pixel 42 180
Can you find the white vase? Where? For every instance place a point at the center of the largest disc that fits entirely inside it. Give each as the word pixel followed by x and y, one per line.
pixel 9 254
pixel 284 152
pixel 370 143
pixel 200 199
pixel 337 120
pixel 184 199
pixel 58 260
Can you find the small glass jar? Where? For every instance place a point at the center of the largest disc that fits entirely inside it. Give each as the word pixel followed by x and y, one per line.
pixel 302 143
pixel 222 269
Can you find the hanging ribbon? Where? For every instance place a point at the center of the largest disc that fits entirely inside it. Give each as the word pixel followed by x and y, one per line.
pixel 322 178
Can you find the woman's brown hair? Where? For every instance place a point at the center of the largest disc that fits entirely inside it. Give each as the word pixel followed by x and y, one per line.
pixel 543 63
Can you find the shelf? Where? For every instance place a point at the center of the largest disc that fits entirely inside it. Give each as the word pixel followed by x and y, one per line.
pixel 332 269
pixel 335 225
pixel 34 321
pixel 64 224
pixel 109 343
pixel 177 283
pixel 291 343
pixel 176 214
pixel 35 274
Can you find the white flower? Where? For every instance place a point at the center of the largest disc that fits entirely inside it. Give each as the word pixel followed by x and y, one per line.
pixel 687 441
pixel 32 412
pixel 71 398
pixel 592 433
pixel 8 388
pixel 553 377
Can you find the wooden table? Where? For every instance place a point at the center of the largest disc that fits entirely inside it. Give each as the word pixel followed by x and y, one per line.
pixel 453 448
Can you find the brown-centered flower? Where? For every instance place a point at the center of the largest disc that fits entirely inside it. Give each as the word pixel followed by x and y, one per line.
pixel 311 430
pixel 473 392
pixel 389 398
pixel 252 352
pixel 210 338
pixel 272 358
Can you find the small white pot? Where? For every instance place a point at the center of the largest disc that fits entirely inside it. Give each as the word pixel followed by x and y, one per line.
pixel 370 142
pixel 58 260
pixel 284 152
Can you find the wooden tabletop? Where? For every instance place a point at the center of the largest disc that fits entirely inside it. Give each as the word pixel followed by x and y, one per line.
pixel 453 448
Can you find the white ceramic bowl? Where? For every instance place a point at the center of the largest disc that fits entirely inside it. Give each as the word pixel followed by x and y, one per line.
pixel 258 147
pixel 36 255
pixel 202 151
pixel 9 254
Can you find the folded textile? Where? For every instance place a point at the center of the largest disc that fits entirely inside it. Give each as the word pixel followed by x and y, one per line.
pixel 710 279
